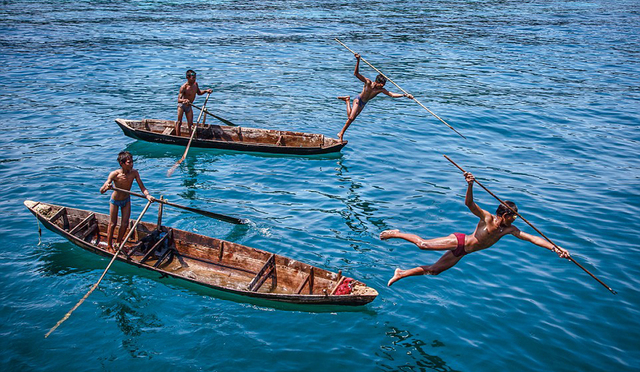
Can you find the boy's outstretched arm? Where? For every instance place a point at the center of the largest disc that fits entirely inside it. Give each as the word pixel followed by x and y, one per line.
pixel 563 253
pixel 356 72
pixel 468 199
pixel 396 95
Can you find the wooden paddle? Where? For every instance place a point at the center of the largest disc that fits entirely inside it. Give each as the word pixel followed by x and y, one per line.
pixel 404 91
pixel 530 224
pixel 215 116
pixel 193 132
pixel 103 274
pixel 220 217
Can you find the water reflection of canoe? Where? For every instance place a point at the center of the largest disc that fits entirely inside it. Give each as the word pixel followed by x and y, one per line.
pixel 207 261
pixel 232 138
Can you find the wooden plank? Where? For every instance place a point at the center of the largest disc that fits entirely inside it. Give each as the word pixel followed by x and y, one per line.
pixel 89 231
pixel 304 282
pixel 267 270
pixel 180 254
pixel 82 223
pixel 337 285
pixel 308 279
pixel 59 213
pixel 167 131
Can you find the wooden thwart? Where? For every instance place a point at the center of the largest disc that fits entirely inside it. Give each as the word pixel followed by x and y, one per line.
pixel 307 280
pixel 82 224
pixel 61 213
pixel 268 270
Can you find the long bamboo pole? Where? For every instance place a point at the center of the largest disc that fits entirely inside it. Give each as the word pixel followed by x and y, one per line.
pixel 530 224
pixel 404 91
pixel 67 315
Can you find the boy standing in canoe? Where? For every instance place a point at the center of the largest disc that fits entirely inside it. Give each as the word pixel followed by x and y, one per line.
pixel 370 90
pixel 186 96
pixel 489 230
pixel 123 179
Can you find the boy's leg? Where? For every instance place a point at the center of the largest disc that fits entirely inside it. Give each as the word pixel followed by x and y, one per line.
pixel 355 111
pixel 449 242
pixel 179 121
pixel 124 224
pixel 190 119
pixel 113 221
pixel 347 99
pixel 447 261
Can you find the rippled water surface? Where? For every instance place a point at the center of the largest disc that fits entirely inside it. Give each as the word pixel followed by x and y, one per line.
pixel 545 92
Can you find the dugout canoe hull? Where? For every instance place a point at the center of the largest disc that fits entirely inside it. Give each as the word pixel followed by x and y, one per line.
pixel 207 261
pixel 232 138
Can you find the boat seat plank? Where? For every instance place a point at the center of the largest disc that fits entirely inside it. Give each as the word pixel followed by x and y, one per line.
pixel 307 280
pixel 91 230
pixel 82 223
pixel 268 270
pixel 167 131
pixel 61 213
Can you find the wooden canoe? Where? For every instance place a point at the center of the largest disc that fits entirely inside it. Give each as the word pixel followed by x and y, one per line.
pixel 232 138
pixel 211 262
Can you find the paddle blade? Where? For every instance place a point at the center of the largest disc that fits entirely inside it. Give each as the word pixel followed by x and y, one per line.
pixel 173 169
pixel 224 120
pixel 218 216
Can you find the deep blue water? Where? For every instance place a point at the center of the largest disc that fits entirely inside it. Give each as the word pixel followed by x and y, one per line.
pixel 547 94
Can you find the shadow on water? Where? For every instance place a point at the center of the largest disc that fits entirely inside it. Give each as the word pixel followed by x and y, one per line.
pixel 404 345
pixel 358 211
pixel 129 309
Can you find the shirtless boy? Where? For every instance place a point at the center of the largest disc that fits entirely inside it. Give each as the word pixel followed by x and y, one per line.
pixel 489 230
pixel 186 96
pixel 123 179
pixel 370 90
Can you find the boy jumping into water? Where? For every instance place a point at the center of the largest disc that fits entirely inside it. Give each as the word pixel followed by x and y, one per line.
pixel 186 96
pixel 370 90
pixel 489 230
pixel 123 179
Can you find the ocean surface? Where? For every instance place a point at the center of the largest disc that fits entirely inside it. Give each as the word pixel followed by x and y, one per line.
pixel 547 94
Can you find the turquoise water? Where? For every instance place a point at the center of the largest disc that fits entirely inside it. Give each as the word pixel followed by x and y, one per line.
pixel 545 92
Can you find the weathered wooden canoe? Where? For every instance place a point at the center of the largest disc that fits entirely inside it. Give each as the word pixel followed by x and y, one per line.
pixel 232 138
pixel 211 262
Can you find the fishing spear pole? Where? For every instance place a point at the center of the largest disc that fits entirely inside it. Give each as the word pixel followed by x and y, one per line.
pixel 404 91
pixel 530 224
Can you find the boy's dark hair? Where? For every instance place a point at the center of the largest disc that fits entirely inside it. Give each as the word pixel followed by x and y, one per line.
pixel 381 79
pixel 502 210
pixel 191 72
pixel 123 156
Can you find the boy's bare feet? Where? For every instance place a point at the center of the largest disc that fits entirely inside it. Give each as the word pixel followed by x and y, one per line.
pixel 397 275
pixel 388 234
pixel 345 98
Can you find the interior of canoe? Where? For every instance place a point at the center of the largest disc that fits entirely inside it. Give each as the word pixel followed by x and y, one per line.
pixel 255 136
pixel 198 258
